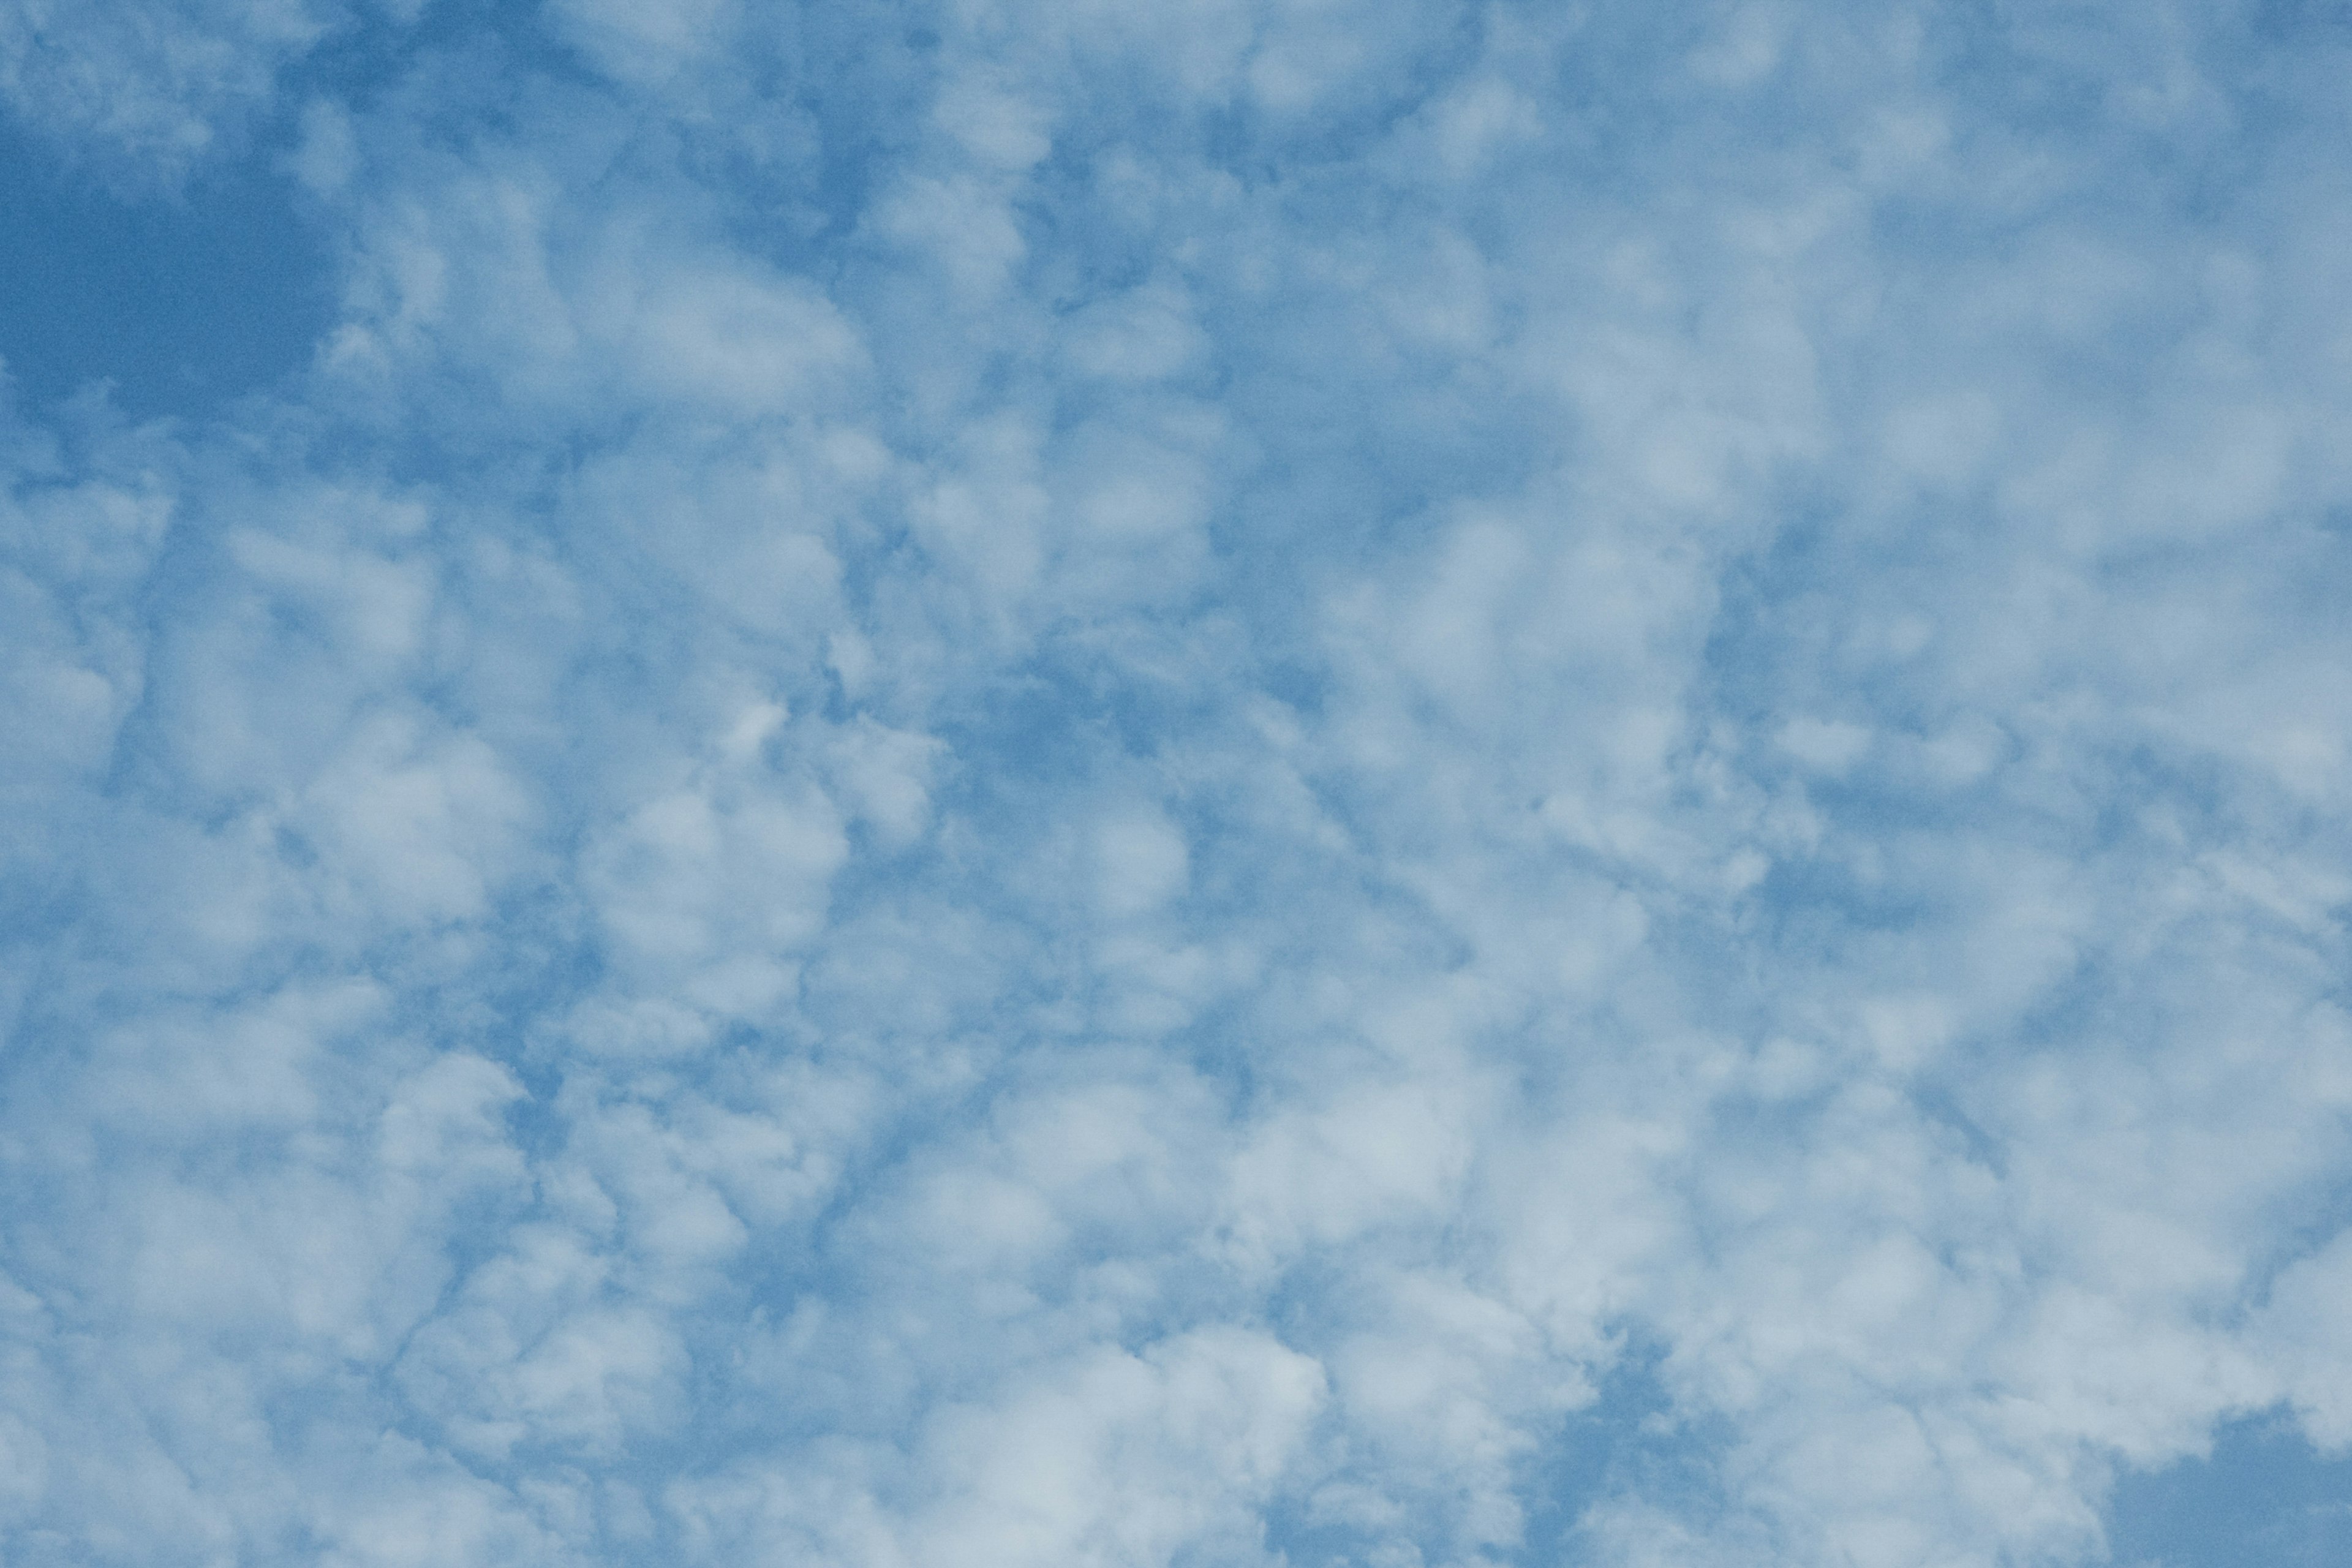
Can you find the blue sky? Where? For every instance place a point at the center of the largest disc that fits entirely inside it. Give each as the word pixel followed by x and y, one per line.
pixel 1269 782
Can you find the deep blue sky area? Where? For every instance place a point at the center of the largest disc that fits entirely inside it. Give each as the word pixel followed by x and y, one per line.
pixel 1266 783
pixel 2259 1497
pixel 182 299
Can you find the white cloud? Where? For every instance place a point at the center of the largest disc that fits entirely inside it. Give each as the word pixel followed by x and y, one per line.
pixel 150 91
pixel 1108 788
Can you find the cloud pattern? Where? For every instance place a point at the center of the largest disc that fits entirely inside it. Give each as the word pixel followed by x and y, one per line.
pixel 1269 782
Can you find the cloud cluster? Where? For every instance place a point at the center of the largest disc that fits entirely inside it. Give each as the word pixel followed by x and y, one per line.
pixel 143 94
pixel 1277 782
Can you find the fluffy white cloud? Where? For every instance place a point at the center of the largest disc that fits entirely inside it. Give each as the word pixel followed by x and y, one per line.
pixel 151 92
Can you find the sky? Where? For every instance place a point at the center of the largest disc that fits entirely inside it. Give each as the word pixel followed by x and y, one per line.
pixel 1254 784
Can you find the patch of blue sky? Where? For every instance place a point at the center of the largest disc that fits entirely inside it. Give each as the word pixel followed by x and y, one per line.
pixel 178 303
pixel 2260 1495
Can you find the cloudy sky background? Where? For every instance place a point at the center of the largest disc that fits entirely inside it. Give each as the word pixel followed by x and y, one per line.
pixel 1044 782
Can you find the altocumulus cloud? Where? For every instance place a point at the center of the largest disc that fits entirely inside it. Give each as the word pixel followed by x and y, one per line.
pixel 1263 782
